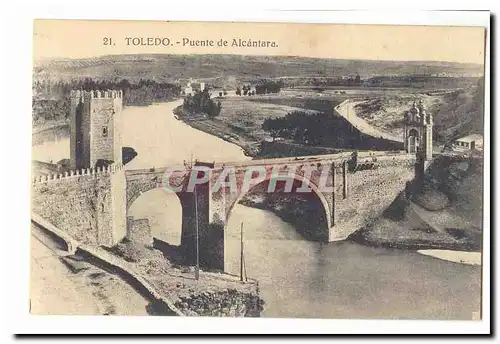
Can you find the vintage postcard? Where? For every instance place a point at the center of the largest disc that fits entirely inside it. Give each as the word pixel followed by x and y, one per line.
pixel 257 170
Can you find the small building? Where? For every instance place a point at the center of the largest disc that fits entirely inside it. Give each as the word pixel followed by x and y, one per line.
pixel 194 87
pixel 473 141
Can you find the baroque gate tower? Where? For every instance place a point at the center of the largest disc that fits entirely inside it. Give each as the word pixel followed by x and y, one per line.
pixel 418 131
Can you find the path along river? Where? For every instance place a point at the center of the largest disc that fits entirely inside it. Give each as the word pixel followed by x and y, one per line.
pixel 297 278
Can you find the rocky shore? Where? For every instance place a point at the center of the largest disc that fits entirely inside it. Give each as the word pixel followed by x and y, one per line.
pixel 214 294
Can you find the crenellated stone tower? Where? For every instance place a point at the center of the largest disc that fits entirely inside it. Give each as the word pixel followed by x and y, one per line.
pixel 96 128
pixel 418 131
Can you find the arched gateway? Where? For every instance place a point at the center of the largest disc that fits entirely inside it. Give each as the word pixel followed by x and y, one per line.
pixel 418 131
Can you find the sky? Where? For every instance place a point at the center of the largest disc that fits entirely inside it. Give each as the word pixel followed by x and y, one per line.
pixel 83 39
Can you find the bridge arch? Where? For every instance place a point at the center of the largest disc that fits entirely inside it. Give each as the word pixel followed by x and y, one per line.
pixel 156 213
pixel 136 189
pixel 297 178
pixel 265 232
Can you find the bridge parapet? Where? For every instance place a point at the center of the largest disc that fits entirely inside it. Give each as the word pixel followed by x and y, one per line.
pixel 67 175
pixel 337 157
pixel 96 94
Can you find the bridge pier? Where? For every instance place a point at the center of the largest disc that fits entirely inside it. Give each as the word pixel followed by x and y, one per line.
pixel 210 239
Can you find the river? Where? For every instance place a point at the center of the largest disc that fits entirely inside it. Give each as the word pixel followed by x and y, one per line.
pixel 297 278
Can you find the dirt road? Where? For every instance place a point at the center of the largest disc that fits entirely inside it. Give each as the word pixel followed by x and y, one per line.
pixel 55 289
pixel 346 110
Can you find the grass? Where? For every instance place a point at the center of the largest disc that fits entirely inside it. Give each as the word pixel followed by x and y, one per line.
pixel 240 121
pixel 248 115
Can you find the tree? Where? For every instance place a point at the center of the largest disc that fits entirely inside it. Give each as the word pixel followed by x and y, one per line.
pixel 273 126
pixel 357 80
pixel 238 91
pixel 214 110
pixel 268 86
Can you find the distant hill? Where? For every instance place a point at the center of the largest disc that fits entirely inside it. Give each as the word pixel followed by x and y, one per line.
pixel 233 68
pixel 460 113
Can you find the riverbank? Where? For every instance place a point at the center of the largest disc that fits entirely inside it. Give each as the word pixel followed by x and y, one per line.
pixel 405 236
pixel 463 257
pixel 50 130
pixel 220 129
pixel 411 232
pixel 214 294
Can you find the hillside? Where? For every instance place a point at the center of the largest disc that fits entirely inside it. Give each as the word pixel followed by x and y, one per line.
pixel 456 113
pixel 226 68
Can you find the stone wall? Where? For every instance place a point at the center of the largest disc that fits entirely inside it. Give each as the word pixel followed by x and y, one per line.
pixel 139 231
pixel 367 190
pixel 80 205
pixel 95 127
pixel 102 116
pixel 118 130
pixel 88 204
pixel 119 203
pixel 228 302
pixel 80 130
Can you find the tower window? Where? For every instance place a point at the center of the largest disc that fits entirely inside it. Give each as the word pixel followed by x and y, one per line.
pixel 105 131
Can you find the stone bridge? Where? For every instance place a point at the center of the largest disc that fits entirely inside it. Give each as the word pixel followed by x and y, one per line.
pixel 353 189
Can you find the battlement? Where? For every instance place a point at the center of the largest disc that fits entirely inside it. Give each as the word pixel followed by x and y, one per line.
pixel 93 172
pixel 98 94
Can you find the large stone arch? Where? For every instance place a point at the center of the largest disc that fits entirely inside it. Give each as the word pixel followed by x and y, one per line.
pixel 305 181
pixel 157 212
pixel 135 189
pixel 142 184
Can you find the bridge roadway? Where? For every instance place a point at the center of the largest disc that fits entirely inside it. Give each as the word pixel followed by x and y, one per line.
pixel 281 161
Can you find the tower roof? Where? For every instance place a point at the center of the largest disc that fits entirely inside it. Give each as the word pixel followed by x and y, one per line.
pixel 414 108
pixel 421 107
